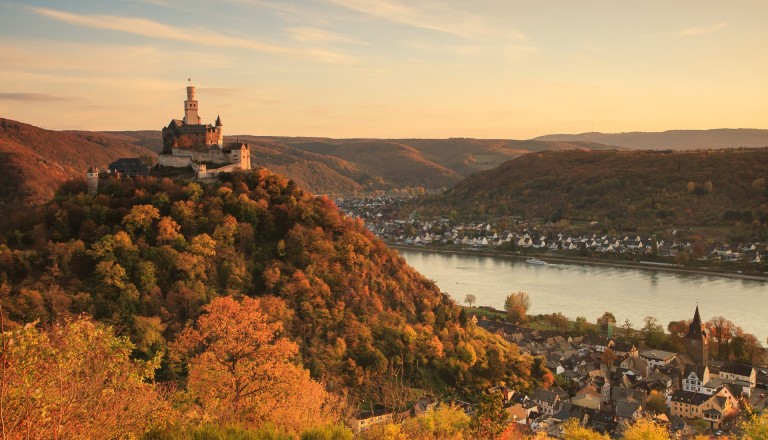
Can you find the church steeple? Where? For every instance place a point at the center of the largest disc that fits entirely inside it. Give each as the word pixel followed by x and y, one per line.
pixel 696 343
pixel 694 328
pixel 218 121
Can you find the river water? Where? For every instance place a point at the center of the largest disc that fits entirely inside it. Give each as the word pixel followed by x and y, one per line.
pixel 589 290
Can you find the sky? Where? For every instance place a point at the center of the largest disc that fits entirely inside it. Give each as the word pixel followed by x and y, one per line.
pixel 387 68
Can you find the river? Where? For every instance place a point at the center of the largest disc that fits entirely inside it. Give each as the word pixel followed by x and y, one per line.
pixel 589 290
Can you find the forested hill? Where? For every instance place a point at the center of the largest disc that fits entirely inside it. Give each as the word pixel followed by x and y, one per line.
pixel 629 188
pixel 145 255
pixel 34 161
pixel 326 165
pixel 673 139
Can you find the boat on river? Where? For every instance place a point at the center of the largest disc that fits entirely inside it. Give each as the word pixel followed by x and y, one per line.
pixel 536 261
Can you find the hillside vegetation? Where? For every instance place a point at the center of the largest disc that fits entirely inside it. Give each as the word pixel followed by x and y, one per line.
pixel 34 161
pixel 673 139
pixel 620 188
pixel 325 165
pixel 149 257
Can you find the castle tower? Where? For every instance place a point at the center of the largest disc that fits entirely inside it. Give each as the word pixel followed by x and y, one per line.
pixel 190 107
pixel 696 343
pixel 220 131
pixel 92 176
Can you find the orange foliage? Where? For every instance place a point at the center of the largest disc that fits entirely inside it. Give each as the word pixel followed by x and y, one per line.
pixel 242 372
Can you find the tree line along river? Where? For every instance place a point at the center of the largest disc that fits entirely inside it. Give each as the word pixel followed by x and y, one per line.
pixel 589 290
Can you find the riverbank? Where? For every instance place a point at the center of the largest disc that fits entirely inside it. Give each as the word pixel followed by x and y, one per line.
pixel 589 261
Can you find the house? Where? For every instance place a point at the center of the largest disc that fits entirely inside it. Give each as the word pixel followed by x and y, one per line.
pixel 589 396
pixel 739 372
pixel 657 358
pixel 637 365
pixel 595 342
pixel 628 410
pixel 546 400
pixel 715 408
pixel 623 348
pixel 129 167
pixel 366 419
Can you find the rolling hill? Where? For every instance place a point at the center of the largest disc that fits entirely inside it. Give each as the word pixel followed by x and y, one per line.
pixel 34 161
pixel 673 139
pixel 710 187
pixel 326 165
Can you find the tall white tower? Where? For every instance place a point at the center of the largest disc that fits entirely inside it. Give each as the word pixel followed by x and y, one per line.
pixel 190 106
pixel 92 177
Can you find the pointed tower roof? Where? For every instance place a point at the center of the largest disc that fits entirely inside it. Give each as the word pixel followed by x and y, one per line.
pixel 218 121
pixel 694 329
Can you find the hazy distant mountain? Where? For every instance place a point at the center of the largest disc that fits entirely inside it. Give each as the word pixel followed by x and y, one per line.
pixel 34 161
pixel 673 139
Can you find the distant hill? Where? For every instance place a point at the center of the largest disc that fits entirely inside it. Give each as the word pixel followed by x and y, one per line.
pixel 673 139
pixel 326 165
pixel 34 161
pixel 712 187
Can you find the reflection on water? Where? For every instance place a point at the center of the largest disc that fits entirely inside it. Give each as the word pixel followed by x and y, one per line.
pixel 586 290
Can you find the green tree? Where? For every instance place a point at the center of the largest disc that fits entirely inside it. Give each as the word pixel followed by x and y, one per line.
pixel 653 332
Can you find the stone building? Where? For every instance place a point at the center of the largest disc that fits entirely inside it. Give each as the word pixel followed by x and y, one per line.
pixel 189 142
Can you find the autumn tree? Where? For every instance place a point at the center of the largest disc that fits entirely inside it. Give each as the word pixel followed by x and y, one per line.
pixel 490 418
pixel 470 299
pixel 645 429
pixel 677 331
pixel 572 430
pixel 755 427
pixel 516 305
pixel 582 326
pixel 75 380
pixel 243 371
pixel 656 403
pixel 444 422
pixel 559 321
pixel 607 317
pixel 721 330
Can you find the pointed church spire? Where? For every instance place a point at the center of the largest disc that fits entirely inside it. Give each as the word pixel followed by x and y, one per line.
pixel 694 329
pixel 218 121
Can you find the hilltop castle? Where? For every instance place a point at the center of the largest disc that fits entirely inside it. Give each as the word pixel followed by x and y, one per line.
pixel 189 142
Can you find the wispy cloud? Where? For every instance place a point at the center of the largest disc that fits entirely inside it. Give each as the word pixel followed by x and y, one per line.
pixel 157 30
pixel 34 97
pixel 431 16
pixel 702 30
pixel 318 36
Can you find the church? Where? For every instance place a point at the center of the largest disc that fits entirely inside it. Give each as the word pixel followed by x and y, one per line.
pixel 189 142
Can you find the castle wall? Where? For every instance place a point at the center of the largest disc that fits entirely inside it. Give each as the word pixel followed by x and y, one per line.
pixel 168 160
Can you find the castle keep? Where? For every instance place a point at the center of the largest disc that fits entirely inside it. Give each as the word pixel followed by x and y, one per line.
pixel 189 142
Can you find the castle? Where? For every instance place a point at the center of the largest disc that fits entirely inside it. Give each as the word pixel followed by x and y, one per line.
pixel 189 142
pixel 186 143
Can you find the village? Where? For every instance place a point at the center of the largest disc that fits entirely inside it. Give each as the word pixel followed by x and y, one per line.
pixel 533 237
pixel 606 383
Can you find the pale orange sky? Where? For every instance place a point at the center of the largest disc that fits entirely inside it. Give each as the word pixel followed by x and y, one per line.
pixel 385 68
